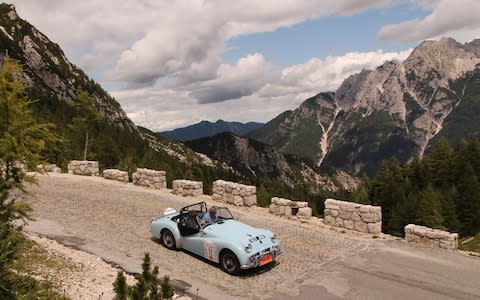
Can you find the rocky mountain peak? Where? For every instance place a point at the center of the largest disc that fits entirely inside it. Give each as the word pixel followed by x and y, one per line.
pixel 395 110
pixel 446 56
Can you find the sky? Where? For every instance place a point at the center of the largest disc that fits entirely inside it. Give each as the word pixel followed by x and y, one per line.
pixel 175 63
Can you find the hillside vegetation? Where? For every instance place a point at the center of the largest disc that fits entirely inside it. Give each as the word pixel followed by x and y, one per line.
pixel 442 190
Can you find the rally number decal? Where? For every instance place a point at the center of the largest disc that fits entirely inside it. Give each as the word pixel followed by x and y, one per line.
pixel 210 250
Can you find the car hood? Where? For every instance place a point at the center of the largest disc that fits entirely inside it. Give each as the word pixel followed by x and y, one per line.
pixel 235 231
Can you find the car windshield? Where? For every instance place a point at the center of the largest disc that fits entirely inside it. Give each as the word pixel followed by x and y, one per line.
pixel 223 214
pixel 197 207
pixel 220 214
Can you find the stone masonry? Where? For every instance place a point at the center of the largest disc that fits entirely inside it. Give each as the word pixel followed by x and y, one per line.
pixel 290 208
pixel 114 174
pixel 187 187
pixel 431 237
pixel 49 168
pixel 150 178
pixel 354 216
pixel 234 193
pixel 83 167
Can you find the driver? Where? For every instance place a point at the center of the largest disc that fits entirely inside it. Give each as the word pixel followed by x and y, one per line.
pixel 210 217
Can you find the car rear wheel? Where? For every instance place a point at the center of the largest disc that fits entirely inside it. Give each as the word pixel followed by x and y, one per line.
pixel 168 239
pixel 229 262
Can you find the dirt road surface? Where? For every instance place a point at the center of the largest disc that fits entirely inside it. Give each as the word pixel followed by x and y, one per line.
pixel 111 220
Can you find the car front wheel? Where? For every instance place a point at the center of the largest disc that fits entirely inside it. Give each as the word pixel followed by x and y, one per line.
pixel 168 239
pixel 229 262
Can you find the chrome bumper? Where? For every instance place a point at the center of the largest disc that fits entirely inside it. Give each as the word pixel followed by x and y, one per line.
pixel 254 260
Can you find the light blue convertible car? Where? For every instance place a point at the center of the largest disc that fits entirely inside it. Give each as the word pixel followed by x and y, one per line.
pixel 216 236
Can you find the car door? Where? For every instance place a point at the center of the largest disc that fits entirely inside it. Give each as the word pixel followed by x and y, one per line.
pixel 202 244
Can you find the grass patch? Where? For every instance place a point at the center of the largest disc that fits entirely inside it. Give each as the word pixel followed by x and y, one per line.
pixel 473 245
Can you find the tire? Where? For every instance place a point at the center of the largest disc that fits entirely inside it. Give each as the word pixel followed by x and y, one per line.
pixel 168 240
pixel 229 262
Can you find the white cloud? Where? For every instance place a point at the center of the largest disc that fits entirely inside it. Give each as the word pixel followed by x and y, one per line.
pixel 261 93
pixel 150 39
pixel 457 19
pixel 168 54
pixel 326 75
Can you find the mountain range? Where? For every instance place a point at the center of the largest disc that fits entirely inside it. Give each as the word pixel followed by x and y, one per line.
pixel 207 129
pixel 400 109
pixel 116 142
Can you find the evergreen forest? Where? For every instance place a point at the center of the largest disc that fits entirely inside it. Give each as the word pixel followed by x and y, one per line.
pixel 441 190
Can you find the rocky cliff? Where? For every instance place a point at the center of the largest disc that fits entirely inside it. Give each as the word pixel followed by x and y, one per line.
pixel 396 110
pixel 253 158
pixel 52 77
pixel 53 84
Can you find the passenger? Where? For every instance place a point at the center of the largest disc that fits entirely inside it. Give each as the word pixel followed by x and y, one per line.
pixel 210 217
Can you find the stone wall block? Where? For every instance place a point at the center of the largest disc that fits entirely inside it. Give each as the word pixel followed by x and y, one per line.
pixel 333 212
pixel 150 178
pixel 374 227
pixel 235 193
pixel 347 206
pixel 431 237
pixel 238 200
pixel 80 167
pixel 114 174
pixel 332 204
pixel 329 220
pixel 369 217
pixel 304 212
pixel 361 226
pixel 338 223
pixel 359 217
pixel 289 208
pixel 50 168
pixel 274 209
pixel 356 216
pixel 187 187
pixel 348 224
pixel 346 215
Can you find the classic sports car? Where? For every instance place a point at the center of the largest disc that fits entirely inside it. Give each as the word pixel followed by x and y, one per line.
pixel 221 239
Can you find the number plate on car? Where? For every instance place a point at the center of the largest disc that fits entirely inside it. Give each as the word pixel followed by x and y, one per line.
pixel 265 260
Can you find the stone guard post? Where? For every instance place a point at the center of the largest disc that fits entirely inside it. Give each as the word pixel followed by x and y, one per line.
pixel 350 215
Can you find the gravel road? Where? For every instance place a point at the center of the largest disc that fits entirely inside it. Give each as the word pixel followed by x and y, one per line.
pixel 111 220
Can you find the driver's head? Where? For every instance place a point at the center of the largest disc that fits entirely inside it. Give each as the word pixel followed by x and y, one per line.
pixel 213 212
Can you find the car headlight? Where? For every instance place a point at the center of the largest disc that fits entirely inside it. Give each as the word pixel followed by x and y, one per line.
pixel 248 248
pixel 274 239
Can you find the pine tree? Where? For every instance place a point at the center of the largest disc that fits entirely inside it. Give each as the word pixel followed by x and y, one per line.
pixel 468 200
pixel 22 142
pixel 147 286
pixel 120 287
pixel 85 120
pixel 389 190
pixel 263 197
pixel 429 209
pixel 440 163
pixel 168 290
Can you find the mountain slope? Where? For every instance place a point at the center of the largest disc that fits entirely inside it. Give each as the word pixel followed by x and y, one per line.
pixel 207 129
pixel 254 158
pixel 300 132
pixel 53 79
pixel 53 85
pixel 396 110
